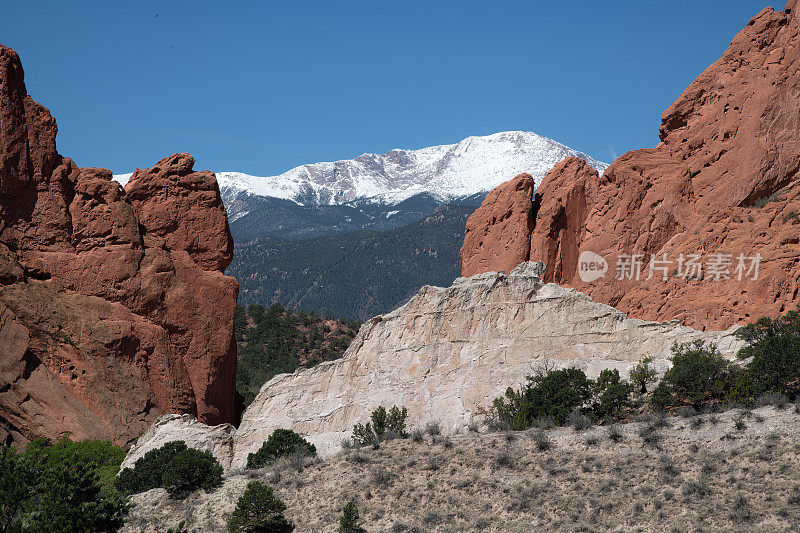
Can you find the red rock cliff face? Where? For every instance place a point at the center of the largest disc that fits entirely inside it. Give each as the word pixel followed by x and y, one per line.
pixel 114 307
pixel 723 180
pixel 498 234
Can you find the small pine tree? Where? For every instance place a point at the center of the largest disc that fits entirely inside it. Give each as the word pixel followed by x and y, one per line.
pixel 774 346
pixel 175 467
pixel 364 435
pixel 611 395
pixel 393 421
pixel 379 421
pixel 552 394
pixel 191 470
pixel 348 523
pixel 281 442
pixel 258 510
pixel 57 488
pixel 699 375
pixel 643 374
pixel 396 421
pixel 147 471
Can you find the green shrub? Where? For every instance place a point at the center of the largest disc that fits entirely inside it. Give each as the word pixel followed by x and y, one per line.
pixel 563 396
pixel 744 389
pixel 383 426
pixel 643 374
pixel 175 467
pixel 348 523
pixel 774 346
pixel 396 422
pixel 553 394
pixel 699 375
pixel 16 480
pixel 258 510
pixel 611 395
pixel 148 469
pixel 282 442
pixel 363 435
pixel 57 488
pixel 190 470
pixel 103 456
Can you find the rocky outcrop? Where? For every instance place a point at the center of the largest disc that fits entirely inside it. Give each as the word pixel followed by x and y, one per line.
pixel 570 188
pixel 498 234
pixel 444 355
pixel 723 183
pixel 449 351
pixel 114 307
pixel 218 440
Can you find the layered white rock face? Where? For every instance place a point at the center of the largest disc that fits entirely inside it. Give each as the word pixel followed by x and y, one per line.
pixel 449 351
pixel 445 355
pixel 215 439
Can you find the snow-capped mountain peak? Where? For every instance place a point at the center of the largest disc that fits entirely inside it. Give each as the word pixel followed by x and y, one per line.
pixel 471 166
pixel 446 172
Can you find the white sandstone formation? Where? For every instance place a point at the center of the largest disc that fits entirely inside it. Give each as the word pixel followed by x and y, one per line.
pixel 444 355
pixel 449 351
pixel 215 439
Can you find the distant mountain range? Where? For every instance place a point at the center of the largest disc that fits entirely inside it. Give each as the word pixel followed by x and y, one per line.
pixel 356 237
pixel 447 172
pixel 382 191
pixel 357 275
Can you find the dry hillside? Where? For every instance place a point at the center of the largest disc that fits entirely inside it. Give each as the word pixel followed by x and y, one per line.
pixel 732 471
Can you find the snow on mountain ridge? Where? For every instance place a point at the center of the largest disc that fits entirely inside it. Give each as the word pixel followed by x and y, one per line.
pixel 471 166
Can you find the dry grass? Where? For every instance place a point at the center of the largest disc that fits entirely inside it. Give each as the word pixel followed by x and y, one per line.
pixel 693 477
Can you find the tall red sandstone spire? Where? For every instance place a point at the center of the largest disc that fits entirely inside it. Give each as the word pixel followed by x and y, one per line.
pixel 500 236
pixel 723 181
pixel 113 304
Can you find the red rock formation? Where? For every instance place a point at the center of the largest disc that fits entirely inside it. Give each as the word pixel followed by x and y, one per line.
pixel 498 234
pixel 723 180
pixel 114 307
pixel 569 189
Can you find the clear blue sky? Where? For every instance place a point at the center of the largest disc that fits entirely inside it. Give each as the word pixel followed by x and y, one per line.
pixel 261 87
